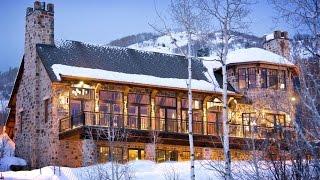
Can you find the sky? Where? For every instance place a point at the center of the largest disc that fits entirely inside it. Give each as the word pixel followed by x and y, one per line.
pixel 100 21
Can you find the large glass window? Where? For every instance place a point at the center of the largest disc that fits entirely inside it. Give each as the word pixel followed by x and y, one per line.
pixel 252 83
pixel 166 114
pixel 264 78
pixel 196 116
pixel 111 108
pixel 273 78
pixel 212 126
pixel 105 154
pixel 282 79
pixel 166 155
pixel 247 122
pixel 242 78
pixel 138 111
pixel 136 154
pixel 276 120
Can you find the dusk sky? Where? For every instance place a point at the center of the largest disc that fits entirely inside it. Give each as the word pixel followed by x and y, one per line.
pixel 98 22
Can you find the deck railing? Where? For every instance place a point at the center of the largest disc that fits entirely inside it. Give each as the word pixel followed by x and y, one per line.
pixel 167 125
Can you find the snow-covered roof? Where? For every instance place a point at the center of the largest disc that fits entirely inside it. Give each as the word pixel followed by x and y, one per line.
pixel 125 65
pixel 99 74
pixel 247 56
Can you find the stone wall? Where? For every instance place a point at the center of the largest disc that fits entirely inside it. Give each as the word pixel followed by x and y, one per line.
pixel 31 132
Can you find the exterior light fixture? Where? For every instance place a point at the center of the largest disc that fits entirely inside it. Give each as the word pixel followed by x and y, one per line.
pixel 293 99
pixel 81 83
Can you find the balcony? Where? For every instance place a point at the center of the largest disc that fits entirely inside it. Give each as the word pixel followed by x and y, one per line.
pixel 98 119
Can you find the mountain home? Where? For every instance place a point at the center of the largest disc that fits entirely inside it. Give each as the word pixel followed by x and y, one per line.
pixel 78 104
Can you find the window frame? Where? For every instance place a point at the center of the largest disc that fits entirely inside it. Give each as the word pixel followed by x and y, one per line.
pixel 139 105
pixel 242 77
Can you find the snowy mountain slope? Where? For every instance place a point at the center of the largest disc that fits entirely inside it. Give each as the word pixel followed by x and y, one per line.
pixel 203 44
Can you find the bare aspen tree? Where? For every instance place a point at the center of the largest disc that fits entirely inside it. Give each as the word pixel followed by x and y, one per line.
pixel 227 16
pixel 186 17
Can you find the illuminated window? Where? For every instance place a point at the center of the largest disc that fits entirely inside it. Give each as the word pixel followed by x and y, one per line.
pixel 185 155
pixel 138 111
pixel 242 78
pixel 136 154
pixel 273 78
pixel 111 108
pixel 264 78
pixel 166 155
pixel 166 114
pixel 105 155
pixel 252 83
pixel 276 120
pixel 282 79
pixel 196 116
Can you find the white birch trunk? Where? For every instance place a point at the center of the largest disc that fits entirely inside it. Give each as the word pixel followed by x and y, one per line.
pixel 192 174
pixel 225 107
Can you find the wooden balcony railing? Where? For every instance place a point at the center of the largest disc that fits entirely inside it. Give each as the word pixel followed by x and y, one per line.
pixel 168 125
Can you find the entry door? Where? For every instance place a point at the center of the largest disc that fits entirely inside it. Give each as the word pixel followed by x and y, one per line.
pixel 76 112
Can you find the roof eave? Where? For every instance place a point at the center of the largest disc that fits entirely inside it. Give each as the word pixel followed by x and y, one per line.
pixel 67 77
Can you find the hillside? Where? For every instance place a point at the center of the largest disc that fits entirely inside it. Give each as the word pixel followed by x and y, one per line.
pixel 204 45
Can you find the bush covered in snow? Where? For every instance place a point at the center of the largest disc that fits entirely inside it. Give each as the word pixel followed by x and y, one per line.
pixel 7 147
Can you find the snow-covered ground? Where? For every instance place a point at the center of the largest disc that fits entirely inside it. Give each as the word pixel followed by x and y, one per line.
pixel 139 170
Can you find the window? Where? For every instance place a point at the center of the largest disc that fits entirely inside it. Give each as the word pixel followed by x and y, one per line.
pixel 166 101
pixel 82 93
pixel 246 124
pixel 196 104
pixel 138 111
pixel 273 78
pixel 276 120
pixel 212 124
pixel 166 114
pixel 282 79
pixel 264 78
pixel 185 155
pixel 136 154
pixel 105 155
pixel 196 116
pixel 166 155
pixel 111 108
pixel 242 78
pixel 46 110
pixel 252 83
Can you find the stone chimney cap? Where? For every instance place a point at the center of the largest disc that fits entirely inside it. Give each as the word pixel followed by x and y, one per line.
pixel 50 7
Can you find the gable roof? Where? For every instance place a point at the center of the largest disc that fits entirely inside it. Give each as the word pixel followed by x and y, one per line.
pixel 102 62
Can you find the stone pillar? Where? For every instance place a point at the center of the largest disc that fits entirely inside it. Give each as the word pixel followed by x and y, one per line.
pixel 89 151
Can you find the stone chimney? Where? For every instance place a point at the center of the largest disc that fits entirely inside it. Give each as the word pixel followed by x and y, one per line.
pixel 278 42
pixel 39 29
pixel 39 24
